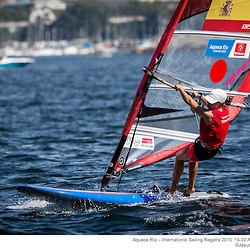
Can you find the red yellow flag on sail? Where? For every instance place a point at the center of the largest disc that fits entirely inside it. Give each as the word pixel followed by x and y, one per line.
pixel 228 15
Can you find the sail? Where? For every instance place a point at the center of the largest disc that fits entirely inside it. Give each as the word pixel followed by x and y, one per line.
pixel 197 52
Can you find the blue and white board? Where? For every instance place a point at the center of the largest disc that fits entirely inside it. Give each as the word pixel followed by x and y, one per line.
pixel 123 198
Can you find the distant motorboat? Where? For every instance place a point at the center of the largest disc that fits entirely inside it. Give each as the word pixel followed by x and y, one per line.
pixel 15 62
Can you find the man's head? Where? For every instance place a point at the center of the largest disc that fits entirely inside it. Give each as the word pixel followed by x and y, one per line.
pixel 216 95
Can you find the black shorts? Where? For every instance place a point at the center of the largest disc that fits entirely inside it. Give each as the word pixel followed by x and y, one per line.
pixel 203 153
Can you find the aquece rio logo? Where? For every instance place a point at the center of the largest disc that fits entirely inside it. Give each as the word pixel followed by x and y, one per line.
pixel 226 8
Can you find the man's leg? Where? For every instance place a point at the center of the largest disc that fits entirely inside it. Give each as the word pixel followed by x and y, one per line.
pixel 193 169
pixel 180 158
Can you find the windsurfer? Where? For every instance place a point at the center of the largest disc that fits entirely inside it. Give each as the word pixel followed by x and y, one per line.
pixel 214 124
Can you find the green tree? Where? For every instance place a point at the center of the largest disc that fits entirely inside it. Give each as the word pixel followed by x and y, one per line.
pixel 14 13
pixel 154 13
pixel 87 19
pixel 90 19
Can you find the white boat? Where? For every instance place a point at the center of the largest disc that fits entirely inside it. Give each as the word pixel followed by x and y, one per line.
pixel 146 46
pixel 15 62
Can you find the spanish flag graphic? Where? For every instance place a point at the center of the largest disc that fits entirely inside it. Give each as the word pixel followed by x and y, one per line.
pixel 228 15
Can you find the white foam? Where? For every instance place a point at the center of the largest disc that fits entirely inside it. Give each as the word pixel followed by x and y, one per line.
pixel 29 204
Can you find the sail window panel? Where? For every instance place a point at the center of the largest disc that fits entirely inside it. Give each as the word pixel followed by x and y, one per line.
pixel 187 58
pixel 185 124
pixel 194 23
pixel 168 99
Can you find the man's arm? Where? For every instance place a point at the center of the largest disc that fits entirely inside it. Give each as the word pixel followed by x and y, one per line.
pixel 204 113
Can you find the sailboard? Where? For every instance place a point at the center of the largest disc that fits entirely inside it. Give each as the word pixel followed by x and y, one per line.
pixel 205 45
pixel 117 198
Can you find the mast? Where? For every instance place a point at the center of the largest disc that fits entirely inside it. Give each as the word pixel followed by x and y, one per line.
pixel 113 169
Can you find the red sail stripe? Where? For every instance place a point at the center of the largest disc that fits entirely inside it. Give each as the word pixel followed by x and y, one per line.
pixel 227 25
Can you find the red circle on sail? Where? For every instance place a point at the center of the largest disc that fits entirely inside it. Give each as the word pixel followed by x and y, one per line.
pixel 218 71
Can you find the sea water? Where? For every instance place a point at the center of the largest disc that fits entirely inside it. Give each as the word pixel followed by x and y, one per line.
pixel 61 119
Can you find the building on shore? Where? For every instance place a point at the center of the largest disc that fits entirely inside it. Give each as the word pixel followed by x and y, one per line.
pixel 113 3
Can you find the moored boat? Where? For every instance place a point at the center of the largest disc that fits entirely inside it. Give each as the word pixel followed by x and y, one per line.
pixel 15 62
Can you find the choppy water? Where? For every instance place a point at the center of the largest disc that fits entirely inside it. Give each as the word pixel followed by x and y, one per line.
pixel 61 119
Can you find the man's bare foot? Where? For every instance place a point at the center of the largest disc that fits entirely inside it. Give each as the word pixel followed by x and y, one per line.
pixel 189 191
pixel 171 190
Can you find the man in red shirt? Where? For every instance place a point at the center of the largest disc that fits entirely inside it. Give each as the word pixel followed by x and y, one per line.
pixel 214 124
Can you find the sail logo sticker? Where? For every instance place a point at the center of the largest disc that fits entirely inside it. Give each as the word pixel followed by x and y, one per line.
pixel 226 8
pixel 140 142
pixel 246 26
pixel 221 48
pixel 238 72
pixel 240 49
pixel 147 141
pixel 228 48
